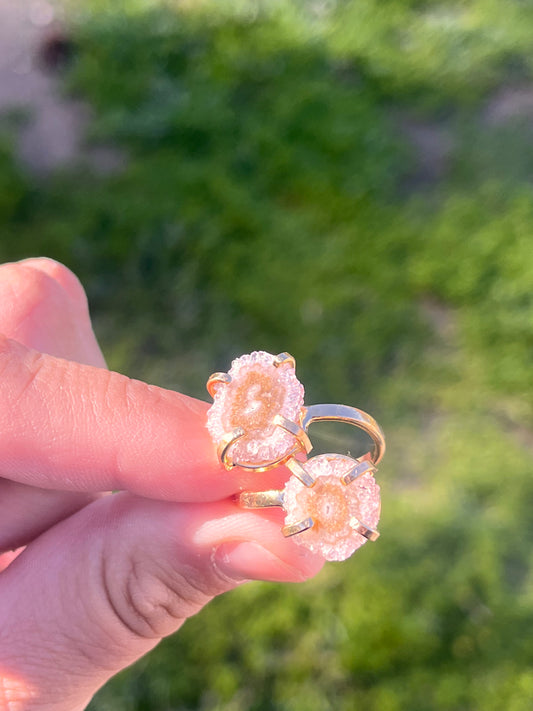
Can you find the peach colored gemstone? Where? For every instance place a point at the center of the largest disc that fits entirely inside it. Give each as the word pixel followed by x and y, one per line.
pixel 258 391
pixel 334 506
pixel 258 397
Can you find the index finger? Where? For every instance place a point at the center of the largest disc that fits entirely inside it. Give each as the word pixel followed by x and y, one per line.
pixel 65 425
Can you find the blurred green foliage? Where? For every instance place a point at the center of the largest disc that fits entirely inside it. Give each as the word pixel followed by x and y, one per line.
pixel 275 195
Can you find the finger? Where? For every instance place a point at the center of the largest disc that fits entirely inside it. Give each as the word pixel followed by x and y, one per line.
pixel 130 571
pixel 43 306
pixel 27 511
pixel 73 427
pixel 60 274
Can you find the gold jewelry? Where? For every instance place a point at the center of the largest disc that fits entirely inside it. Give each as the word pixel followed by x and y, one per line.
pixel 334 513
pixel 258 419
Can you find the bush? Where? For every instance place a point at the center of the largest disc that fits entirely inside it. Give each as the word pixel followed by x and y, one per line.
pixel 271 199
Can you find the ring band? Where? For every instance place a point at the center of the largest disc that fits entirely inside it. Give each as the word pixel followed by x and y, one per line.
pixel 350 416
pixel 258 419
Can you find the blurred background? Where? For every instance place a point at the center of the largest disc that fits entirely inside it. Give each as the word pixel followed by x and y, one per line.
pixel 350 181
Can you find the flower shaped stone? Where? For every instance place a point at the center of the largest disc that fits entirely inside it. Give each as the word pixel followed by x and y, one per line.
pixel 253 405
pixel 339 511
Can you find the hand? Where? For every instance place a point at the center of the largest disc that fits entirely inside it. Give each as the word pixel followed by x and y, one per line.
pixel 97 580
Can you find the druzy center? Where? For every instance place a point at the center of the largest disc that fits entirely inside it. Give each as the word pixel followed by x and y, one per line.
pixel 257 399
pixel 328 506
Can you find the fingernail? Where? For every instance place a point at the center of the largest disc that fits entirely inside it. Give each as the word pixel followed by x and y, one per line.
pixel 250 561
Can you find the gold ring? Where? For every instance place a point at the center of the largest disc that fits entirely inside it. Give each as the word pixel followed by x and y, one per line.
pixel 333 509
pixel 258 419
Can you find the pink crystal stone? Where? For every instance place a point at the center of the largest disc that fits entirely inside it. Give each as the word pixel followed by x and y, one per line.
pixel 258 391
pixel 335 507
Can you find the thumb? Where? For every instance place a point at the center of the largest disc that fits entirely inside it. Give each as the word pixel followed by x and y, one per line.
pixel 114 579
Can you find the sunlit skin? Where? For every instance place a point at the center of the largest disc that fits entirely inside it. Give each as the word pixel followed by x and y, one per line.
pixel 97 579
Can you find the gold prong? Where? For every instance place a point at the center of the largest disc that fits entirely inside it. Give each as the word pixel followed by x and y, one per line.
pixel 296 430
pixel 357 471
pixel 225 443
pixel 214 380
pixel 283 358
pixel 370 533
pixel 300 472
pixel 261 499
pixel 293 528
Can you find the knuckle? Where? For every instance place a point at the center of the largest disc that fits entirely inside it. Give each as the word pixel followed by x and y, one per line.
pixel 19 369
pixel 152 603
pixel 20 375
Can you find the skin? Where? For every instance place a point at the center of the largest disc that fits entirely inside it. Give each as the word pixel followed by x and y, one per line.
pixel 90 582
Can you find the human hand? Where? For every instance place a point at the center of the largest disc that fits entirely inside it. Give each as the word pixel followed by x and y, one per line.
pixel 97 580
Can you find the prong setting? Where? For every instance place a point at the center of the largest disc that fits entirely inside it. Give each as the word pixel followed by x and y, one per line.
pixel 369 533
pixel 215 380
pixel 225 444
pixel 296 430
pixel 292 529
pixel 284 359
pixel 358 470
pixel 300 472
